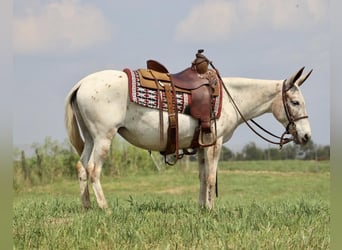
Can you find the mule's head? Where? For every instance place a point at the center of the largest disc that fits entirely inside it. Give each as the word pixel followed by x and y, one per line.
pixel 289 108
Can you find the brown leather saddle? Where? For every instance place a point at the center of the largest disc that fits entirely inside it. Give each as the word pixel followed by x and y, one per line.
pixel 198 81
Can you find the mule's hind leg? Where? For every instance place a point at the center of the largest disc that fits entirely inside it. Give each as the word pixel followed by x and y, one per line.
pixel 83 162
pixel 94 167
pixel 82 173
pixel 83 179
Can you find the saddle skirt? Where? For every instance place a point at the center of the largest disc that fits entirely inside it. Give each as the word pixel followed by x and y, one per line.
pixel 145 93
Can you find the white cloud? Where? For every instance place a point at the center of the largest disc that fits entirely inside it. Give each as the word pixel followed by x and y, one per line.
pixel 208 21
pixel 63 26
pixel 285 15
pixel 214 20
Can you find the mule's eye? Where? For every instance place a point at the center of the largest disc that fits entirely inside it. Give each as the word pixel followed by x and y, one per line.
pixel 295 103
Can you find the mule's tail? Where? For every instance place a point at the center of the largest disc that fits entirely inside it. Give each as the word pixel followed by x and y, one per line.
pixel 71 121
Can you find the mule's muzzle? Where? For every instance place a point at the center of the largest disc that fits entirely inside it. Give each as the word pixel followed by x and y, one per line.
pixel 301 140
pixel 306 138
pixel 298 138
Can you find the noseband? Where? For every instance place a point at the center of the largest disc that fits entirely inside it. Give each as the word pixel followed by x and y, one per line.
pixel 291 119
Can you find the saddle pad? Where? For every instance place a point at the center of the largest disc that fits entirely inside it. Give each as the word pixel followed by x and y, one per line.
pixel 149 97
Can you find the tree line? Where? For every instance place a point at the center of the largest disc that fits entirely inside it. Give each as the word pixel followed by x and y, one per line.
pixel 52 160
pixel 250 151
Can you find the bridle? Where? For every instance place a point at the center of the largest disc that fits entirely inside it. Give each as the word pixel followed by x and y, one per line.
pixel 289 115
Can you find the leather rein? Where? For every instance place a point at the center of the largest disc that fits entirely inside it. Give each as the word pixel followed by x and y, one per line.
pixel 291 119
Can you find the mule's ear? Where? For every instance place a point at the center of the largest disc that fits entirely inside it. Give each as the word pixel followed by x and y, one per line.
pixel 304 77
pixel 291 81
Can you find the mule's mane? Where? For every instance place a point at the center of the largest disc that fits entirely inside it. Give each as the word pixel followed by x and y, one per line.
pixel 240 82
pixel 253 96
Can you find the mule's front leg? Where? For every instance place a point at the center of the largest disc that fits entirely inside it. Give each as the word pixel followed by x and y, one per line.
pixel 208 159
pixel 206 182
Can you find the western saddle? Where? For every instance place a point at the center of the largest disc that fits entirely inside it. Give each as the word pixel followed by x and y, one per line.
pixel 203 85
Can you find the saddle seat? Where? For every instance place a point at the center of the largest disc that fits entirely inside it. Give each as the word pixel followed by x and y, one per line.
pixel 184 81
pixel 190 79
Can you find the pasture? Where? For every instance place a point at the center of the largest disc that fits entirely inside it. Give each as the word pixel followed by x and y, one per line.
pixel 261 205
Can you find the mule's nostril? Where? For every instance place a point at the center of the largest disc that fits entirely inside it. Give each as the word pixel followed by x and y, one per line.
pixel 306 137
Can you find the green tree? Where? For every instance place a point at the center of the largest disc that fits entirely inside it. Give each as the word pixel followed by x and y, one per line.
pixel 289 151
pixel 323 153
pixel 252 152
pixel 226 154
pixel 272 154
pixel 307 151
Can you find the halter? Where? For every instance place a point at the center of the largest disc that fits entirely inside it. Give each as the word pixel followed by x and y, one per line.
pixel 291 119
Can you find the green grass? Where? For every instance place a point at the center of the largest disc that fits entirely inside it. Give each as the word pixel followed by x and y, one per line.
pixel 261 205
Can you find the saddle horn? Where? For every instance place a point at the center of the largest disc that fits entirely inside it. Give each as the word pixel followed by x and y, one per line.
pixel 201 63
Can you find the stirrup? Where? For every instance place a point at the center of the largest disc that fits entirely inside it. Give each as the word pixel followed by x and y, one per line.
pixel 201 135
pixel 171 159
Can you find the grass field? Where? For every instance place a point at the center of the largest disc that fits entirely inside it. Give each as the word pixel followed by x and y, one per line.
pixel 261 205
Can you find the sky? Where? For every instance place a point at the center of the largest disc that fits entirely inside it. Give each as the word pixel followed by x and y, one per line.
pixel 58 42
